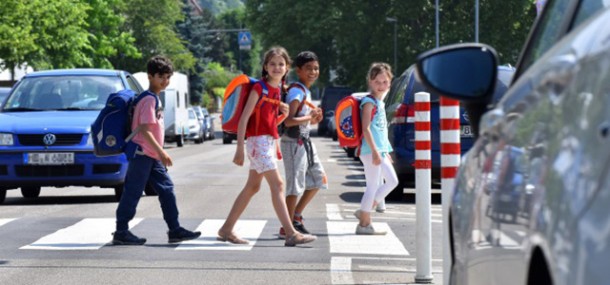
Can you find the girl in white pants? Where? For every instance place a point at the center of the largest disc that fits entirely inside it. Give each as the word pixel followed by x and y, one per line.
pixel 376 148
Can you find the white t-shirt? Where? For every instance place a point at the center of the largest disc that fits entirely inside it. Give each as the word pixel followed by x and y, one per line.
pixel 296 93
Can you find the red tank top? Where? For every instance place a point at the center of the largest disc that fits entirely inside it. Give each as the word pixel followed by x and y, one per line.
pixel 268 113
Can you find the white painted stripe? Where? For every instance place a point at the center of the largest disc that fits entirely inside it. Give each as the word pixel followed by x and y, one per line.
pixel 333 212
pixel 423 155
pixel 422 116
pixel 341 270
pixel 408 219
pixel 5 221
pixel 422 135
pixel 246 229
pixel 409 259
pixel 450 136
pixel 450 160
pixel 449 112
pixel 422 97
pixel 410 119
pixel 88 234
pixel 331 160
pixel 343 239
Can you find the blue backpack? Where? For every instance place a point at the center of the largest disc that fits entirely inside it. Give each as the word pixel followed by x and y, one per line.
pixel 111 130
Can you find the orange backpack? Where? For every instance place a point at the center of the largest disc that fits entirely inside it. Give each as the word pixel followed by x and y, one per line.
pixel 235 98
pixel 348 122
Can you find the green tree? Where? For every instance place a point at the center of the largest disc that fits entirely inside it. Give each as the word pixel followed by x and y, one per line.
pixel 44 34
pixel 153 25
pixel 17 42
pixel 349 35
pixel 105 35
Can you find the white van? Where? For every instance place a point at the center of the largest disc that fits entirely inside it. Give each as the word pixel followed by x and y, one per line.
pixel 175 102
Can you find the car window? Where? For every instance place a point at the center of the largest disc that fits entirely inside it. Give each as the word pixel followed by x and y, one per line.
pixel 588 9
pixel 548 30
pixel 62 92
pixel 397 89
pixel 552 26
pixel 133 84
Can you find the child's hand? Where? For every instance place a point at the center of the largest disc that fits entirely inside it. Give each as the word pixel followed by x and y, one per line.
pixel 376 158
pixel 284 108
pixel 166 159
pixel 238 159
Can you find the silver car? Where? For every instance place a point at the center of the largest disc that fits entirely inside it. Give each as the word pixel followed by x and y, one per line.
pixel 531 203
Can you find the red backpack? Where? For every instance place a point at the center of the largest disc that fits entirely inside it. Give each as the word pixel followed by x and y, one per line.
pixel 235 98
pixel 347 120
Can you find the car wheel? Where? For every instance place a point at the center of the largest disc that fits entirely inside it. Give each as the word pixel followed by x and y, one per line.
pixel 30 191
pixel 150 191
pixel 212 135
pixel 180 140
pixel 2 195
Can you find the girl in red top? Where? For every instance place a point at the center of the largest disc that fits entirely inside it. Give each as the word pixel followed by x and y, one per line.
pixel 262 149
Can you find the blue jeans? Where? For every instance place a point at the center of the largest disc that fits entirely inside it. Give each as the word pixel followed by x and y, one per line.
pixel 140 171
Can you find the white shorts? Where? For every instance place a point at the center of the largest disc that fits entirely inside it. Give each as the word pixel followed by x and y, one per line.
pixel 262 153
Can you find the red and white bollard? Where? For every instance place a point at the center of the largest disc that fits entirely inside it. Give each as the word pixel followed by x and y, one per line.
pixel 423 180
pixel 450 160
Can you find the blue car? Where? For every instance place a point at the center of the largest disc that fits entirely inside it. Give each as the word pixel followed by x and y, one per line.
pixel 45 136
pixel 400 112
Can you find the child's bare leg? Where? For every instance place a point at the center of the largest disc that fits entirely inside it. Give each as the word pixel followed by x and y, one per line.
pixel 241 202
pixel 291 204
pixel 305 199
pixel 279 203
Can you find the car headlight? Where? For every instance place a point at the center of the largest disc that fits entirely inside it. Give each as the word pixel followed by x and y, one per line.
pixel 6 139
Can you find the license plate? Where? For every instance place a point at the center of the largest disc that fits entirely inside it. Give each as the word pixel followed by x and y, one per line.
pixel 50 158
pixel 465 131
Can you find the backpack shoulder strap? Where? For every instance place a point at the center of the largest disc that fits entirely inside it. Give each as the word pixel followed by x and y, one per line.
pixel 374 106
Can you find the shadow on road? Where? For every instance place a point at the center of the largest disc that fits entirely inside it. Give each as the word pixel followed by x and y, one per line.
pixel 58 200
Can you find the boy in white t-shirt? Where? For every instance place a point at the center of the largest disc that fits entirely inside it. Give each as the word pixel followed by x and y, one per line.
pixel 303 169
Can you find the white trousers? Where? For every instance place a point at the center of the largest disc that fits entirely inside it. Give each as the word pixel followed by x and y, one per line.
pixel 376 190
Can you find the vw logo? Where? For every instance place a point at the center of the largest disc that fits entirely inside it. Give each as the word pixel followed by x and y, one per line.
pixel 49 139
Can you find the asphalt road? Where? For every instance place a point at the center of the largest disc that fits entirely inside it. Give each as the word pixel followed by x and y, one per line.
pixel 63 236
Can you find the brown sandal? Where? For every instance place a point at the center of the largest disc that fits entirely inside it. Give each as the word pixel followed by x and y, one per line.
pixel 230 238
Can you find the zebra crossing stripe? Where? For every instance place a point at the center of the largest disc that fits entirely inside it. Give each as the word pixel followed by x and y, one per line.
pixel 87 234
pixel 333 212
pixel 246 229
pixel 343 239
pixel 5 221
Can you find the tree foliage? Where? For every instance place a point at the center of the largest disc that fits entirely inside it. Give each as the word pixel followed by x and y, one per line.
pixel 349 35
pixel 153 26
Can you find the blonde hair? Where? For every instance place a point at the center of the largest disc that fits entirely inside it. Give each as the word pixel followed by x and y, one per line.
pixel 377 68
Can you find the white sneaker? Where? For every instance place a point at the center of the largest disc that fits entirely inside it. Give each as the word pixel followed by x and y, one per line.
pixel 368 230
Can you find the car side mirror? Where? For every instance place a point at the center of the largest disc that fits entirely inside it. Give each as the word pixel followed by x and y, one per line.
pixel 465 72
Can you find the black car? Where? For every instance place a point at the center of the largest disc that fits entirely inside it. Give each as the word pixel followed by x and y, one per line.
pixel 330 97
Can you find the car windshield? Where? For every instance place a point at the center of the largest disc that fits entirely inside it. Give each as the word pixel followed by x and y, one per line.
pixel 62 93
